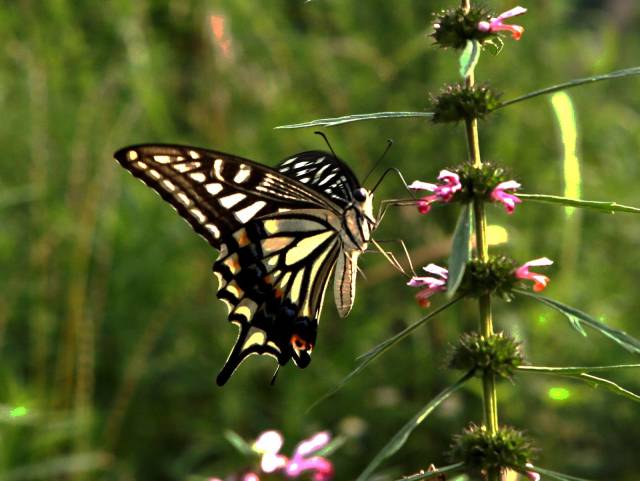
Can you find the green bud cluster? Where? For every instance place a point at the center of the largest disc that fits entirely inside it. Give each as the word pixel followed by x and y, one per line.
pixel 479 182
pixel 494 276
pixel 453 27
pixel 497 353
pixel 486 455
pixel 460 102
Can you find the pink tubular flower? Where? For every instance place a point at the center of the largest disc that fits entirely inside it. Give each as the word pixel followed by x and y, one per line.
pixel 532 475
pixel 300 462
pixel 539 281
pixel 268 444
pixel 496 25
pixel 434 283
pixel 250 476
pixel 441 192
pixel 507 199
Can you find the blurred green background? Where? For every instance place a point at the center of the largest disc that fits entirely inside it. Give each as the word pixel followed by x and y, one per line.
pixel 110 333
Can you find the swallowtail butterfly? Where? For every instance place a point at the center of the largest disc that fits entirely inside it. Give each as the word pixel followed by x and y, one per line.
pixel 280 233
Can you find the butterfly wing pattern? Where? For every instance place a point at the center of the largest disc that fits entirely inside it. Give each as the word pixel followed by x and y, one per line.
pixel 280 234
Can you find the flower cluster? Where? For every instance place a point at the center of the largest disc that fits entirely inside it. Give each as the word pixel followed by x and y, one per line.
pixel 304 459
pixel 443 192
pixel 496 24
pixel 497 353
pixel 460 102
pixel 436 282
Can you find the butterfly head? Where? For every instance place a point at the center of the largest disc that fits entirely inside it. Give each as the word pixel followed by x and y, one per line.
pixel 363 202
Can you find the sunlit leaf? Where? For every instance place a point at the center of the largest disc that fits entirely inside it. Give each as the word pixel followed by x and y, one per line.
pixel 372 354
pixel 460 250
pixel 577 318
pixel 573 83
pixel 330 122
pixel 469 58
pixel 608 207
pixel 398 440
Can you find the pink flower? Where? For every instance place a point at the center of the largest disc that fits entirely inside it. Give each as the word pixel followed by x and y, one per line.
pixel 509 200
pixel 441 192
pixel 268 444
pixel 539 281
pixel 435 283
pixel 250 476
pixel 300 462
pixel 496 25
pixel 532 475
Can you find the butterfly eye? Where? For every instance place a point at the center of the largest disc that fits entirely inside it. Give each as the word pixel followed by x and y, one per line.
pixel 360 195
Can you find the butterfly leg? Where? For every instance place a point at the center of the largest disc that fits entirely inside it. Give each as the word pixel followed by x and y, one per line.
pixel 405 251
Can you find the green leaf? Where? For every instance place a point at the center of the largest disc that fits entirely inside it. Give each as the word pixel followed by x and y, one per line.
pixel 335 444
pixel 432 474
pixel 608 207
pixel 573 83
pixel 594 381
pixel 469 58
pixel 60 467
pixel 401 436
pixel 552 474
pixel 460 250
pixel 330 122
pixel 372 354
pixel 239 443
pixel 577 318
pixel 578 369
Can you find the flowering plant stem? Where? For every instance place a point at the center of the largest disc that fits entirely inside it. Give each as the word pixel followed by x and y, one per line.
pixel 482 252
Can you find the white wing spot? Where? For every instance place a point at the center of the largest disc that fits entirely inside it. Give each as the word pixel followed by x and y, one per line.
pixel 193 154
pixel 162 159
pixel 132 154
pixel 326 179
pixel 214 188
pixel 186 166
pixel 301 164
pixel 214 230
pixel 198 177
pixel 197 213
pixel 183 199
pixel 305 180
pixel 142 166
pixel 229 201
pixel 155 174
pixel 243 174
pixel 217 168
pixel 246 214
pixel 169 185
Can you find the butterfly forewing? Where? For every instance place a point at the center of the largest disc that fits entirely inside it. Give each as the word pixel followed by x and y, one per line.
pixel 278 232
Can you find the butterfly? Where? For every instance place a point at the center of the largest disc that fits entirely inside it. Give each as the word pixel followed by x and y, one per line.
pixel 280 231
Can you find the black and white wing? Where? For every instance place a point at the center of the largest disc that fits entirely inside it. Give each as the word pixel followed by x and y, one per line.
pixel 277 234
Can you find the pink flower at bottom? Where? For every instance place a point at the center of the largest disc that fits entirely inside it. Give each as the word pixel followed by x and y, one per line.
pixel 532 475
pixel 268 445
pixel 496 24
pixel 437 282
pixel 321 467
pixel 507 199
pixel 539 281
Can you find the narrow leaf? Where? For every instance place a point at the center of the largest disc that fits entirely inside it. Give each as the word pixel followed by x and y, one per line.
pixel 553 474
pixel 239 443
pixel 576 370
pixel 432 474
pixel 401 436
pixel 573 83
pixel 372 354
pixel 330 122
pixel 608 207
pixel 469 58
pixel 460 250
pixel 594 381
pixel 577 317
pixel 335 444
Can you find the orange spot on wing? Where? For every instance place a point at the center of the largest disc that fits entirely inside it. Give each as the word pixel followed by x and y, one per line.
pixel 219 34
pixel 300 344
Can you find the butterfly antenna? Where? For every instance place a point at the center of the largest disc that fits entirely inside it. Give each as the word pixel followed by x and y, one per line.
pixel 389 144
pixel 321 134
pixel 275 376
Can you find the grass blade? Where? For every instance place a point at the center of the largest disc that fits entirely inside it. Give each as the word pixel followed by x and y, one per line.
pixel 460 250
pixel 577 318
pixel 398 440
pixel 595 381
pixel 432 474
pixel 372 354
pixel 573 83
pixel 608 207
pixel 331 122
pixel 239 443
pixel 553 474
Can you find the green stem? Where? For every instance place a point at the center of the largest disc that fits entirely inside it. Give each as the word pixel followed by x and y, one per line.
pixel 482 252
